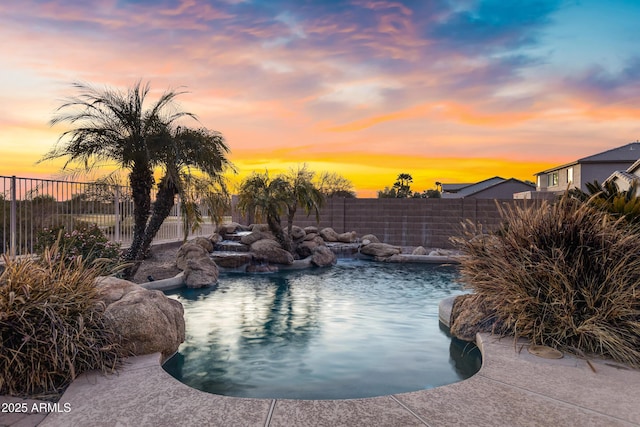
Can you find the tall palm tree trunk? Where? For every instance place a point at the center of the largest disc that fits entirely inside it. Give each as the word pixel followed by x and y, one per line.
pixel 165 200
pixel 276 228
pixel 141 181
pixel 291 213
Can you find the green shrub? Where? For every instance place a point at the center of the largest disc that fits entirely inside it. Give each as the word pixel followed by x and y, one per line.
pixel 86 241
pixel 52 326
pixel 566 275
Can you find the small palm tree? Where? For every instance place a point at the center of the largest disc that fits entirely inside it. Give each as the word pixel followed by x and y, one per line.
pixel 186 151
pixel 264 198
pixel 403 185
pixel 301 192
pixel 609 198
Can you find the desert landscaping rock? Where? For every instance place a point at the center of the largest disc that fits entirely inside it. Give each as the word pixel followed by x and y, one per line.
pixel 369 238
pixel 322 256
pixel 305 248
pixel 188 251
pixel 349 237
pixel 267 250
pixel 146 320
pixel 206 244
pixel 419 251
pixel 200 272
pixel 229 228
pixel 380 250
pixel 311 236
pixel 232 260
pixel 297 233
pixel 329 234
pixel 254 236
pixel 259 227
pixel 111 289
pixel 469 315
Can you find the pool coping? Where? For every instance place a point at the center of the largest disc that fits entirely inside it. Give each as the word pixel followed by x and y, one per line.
pixel 513 387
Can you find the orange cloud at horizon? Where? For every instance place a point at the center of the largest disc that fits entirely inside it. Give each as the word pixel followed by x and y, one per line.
pixel 443 110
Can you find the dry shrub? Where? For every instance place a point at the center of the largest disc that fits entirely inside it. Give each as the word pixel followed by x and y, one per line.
pixel 51 326
pixel 564 275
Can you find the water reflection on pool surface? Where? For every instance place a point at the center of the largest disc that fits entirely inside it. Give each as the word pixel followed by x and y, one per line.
pixel 357 329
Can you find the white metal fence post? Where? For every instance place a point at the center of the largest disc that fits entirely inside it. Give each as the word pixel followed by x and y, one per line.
pixel 180 231
pixel 116 213
pixel 12 224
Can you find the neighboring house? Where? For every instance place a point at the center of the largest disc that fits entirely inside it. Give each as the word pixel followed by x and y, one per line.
pixel 624 179
pixel 452 188
pixel 588 169
pixel 492 188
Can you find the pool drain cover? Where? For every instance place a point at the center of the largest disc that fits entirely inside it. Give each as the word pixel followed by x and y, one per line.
pixel 545 352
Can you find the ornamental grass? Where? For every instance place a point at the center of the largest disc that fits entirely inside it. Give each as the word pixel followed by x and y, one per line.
pixel 562 274
pixel 52 326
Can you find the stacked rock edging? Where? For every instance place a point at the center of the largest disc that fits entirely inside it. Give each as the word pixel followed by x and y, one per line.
pixel 254 248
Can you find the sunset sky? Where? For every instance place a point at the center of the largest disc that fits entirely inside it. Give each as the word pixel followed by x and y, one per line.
pixel 446 90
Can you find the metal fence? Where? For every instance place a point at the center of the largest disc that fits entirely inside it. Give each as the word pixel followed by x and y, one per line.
pixel 30 205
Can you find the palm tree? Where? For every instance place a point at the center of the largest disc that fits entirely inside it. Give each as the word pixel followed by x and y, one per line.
pixel 109 127
pixel 609 198
pixel 187 151
pixel 402 185
pixel 301 192
pixel 264 198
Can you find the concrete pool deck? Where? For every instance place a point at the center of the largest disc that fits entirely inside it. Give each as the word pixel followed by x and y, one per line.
pixel 513 388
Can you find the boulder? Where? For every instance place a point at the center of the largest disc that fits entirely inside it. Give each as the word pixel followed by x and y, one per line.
pixel 270 251
pixel 259 227
pixel 329 234
pixel 111 289
pixel 229 228
pixel 200 272
pixel 349 237
pixel 419 251
pixel 441 252
pixel 187 251
pixel 310 236
pixel 232 259
pixel 311 229
pixel 369 238
pixel 206 243
pixel 254 236
pixel 297 233
pixel 146 320
pixel 322 256
pixel 470 315
pixel 305 249
pixel 380 250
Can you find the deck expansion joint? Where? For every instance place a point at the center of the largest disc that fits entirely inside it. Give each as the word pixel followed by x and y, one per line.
pixel 409 410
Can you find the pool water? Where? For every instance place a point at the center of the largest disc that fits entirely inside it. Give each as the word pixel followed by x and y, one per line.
pixel 358 329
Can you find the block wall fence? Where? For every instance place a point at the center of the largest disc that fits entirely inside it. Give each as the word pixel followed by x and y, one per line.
pixel 405 222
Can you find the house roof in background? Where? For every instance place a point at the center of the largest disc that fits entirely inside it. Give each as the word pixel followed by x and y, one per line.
pixel 634 167
pixel 479 186
pixel 626 153
pixel 454 187
pixel 624 176
pixel 471 189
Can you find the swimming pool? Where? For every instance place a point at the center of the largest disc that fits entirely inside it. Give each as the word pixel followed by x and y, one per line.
pixel 358 329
